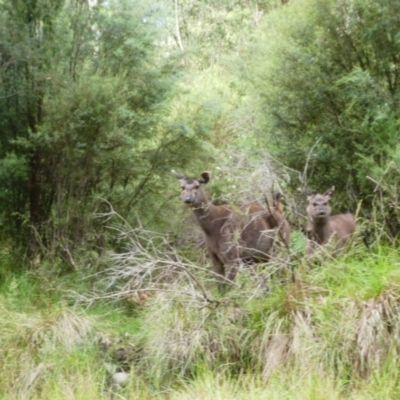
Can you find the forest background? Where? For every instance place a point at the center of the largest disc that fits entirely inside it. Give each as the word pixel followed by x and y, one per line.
pixel 100 100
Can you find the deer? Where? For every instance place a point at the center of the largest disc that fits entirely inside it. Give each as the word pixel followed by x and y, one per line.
pixel 321 225
pixel 233 233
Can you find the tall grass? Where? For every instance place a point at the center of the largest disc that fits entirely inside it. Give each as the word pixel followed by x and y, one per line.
pixel 51 349
pixel 338 322
pixel 333 333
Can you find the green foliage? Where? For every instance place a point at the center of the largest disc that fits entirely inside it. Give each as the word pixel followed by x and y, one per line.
pixel 338 322
pixel 326 74
pixel 101 103
pixel 323 322
pixel 199 28
pixel 50 348
pixel 84 99
pixel 98 104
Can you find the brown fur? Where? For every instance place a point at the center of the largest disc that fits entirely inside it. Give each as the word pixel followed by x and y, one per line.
pixel 321 226
pixel 232 233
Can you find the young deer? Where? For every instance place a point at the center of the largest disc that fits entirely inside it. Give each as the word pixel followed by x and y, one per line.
pixel 244 232
pixel 321 226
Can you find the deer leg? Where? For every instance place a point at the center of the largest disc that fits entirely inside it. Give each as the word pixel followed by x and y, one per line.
pixel 219 269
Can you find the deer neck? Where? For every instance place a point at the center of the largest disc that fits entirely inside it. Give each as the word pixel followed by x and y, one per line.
pixel 275 218
pixel 206 213
pixel 321 230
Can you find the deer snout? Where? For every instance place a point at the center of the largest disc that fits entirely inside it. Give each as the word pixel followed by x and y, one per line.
pixel 187 200
pixel 321 214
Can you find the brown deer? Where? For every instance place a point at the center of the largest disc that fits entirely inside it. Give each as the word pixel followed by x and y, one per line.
pixel 233 233
pixel 321 226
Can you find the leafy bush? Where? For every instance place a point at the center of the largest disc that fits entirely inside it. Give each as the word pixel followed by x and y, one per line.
pixel 326 76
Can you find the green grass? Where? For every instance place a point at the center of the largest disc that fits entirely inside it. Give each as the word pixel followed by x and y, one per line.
pixel 53 349
pixel 332 334
pixel 359 274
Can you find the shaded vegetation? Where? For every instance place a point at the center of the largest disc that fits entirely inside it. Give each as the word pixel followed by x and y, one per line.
pixel 105 289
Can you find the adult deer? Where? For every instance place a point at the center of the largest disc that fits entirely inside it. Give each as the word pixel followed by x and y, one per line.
pixel 232 233
pixel 321 225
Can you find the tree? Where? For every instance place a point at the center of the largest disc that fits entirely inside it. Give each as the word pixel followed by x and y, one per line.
pixel 327 78
pixel 84 96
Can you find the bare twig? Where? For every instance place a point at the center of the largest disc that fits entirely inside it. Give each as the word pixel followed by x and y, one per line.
pixel 178 30
pixel 303 178
pixel 149 264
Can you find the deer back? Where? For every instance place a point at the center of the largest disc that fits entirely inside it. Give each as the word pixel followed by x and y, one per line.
pixel 343 225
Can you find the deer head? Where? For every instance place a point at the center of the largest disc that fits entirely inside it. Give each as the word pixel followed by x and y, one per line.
pixel 318 209
pixel 191 190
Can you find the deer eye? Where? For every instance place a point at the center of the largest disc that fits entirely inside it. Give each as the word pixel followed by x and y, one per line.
pixel 183 187
pixel 324 204
pixel 197 186
pixel 315 204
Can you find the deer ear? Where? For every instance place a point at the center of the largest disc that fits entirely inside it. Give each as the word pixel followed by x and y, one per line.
pixel 329 192
pixel 278 196
pixel 177 175
pixel 204 177
pixel 308 194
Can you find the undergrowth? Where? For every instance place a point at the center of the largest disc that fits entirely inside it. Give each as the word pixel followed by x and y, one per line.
pixel 332 333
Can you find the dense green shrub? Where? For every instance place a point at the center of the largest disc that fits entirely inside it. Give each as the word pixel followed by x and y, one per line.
pixel 327 79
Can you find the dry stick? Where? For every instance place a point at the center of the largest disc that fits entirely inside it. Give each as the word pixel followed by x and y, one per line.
pixel 38 239
pixel 173 263
pixel 47 251
pixel 122 294
pixel 142 250
pixel 381 189
pixel 378 184
pixel 261 284
pixel 303 178
pixel 71 259
pixel 178 30
pixel 181 266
